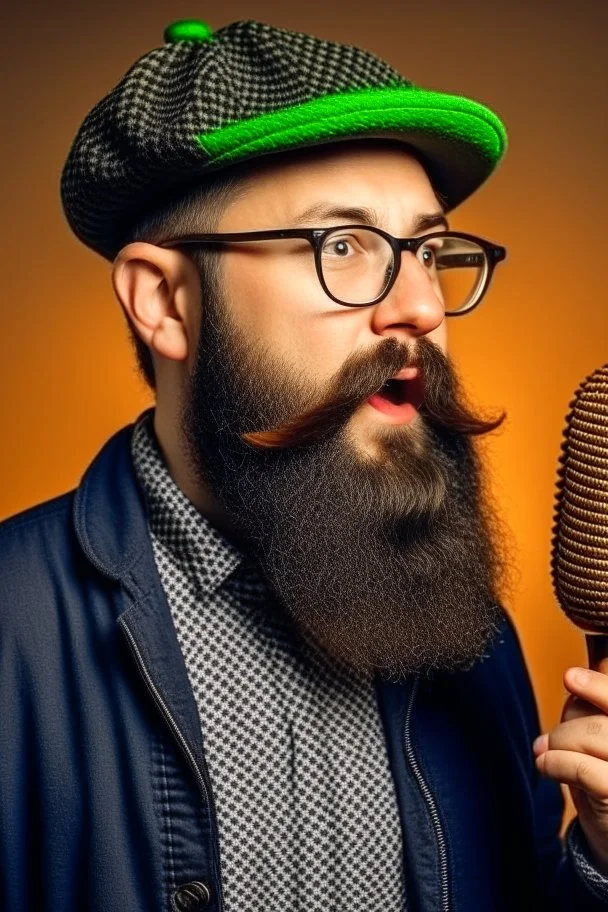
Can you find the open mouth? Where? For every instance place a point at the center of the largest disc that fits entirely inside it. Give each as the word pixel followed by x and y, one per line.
pixel 396 391
pixel 399 398
pixel 400 391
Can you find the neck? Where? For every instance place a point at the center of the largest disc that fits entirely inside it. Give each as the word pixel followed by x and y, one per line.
pixel 170 440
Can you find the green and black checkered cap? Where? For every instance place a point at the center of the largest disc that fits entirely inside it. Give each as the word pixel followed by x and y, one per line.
pixel 206 100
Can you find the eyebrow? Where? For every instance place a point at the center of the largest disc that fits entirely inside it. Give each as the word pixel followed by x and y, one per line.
pixel 364 216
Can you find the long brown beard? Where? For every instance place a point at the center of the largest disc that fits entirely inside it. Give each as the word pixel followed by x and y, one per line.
pixel 387 565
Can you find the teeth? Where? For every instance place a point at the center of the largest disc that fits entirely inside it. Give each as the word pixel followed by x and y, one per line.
pixel 406 373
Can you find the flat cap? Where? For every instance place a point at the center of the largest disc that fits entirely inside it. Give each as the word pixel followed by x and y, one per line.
pixel 206 100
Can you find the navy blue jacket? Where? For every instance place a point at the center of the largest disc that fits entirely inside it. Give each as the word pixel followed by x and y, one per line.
pixel 105 800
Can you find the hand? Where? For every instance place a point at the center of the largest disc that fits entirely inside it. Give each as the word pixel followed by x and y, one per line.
pixel 575 752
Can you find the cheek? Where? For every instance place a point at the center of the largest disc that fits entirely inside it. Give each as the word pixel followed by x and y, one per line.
pixel 440 336
pixel 287 311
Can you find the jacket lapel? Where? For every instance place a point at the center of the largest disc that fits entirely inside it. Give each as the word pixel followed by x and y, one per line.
pixel 110 521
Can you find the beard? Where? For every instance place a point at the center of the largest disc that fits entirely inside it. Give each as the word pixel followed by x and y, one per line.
pixel 387 563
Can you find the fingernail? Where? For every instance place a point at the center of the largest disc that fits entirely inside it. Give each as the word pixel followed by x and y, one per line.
pixel 579 675
pixel 541 744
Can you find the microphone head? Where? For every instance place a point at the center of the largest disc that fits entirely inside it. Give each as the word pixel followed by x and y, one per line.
pixel 579 547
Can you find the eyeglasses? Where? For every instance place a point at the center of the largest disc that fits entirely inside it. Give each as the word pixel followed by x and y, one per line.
pixel 358 265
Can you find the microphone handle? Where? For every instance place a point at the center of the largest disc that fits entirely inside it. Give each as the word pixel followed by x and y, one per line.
pixel 597 650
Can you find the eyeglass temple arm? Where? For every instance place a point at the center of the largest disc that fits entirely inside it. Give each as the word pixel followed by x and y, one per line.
pixel 461 259
pixel 470 259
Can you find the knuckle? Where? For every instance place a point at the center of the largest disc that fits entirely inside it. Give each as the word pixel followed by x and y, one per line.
pixel 582 772
pixel 595 726
pixel 550 763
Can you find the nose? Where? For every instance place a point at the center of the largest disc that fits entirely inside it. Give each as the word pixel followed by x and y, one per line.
pixel 412 307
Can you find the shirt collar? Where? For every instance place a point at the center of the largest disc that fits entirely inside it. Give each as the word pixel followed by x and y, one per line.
pixel 196 546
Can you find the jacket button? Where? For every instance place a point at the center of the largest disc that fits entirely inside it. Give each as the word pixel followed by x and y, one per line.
pixel 191 897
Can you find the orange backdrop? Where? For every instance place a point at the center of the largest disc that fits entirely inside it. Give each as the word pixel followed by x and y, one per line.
pixel 68 374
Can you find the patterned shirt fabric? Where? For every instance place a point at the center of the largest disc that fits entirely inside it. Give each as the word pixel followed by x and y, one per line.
pixel 305 799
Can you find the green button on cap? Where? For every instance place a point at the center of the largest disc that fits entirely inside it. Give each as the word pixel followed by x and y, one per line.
pixel 187 30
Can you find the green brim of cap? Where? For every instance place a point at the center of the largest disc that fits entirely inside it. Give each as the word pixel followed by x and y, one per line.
pixel 461 140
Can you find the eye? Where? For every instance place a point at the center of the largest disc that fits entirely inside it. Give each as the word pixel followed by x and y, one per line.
pixel 428 254
pixel 339 247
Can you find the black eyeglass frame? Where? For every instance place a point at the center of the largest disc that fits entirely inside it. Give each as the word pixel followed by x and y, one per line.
pixel 316 237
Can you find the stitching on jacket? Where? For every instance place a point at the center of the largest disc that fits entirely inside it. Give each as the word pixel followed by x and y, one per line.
pixel 167 818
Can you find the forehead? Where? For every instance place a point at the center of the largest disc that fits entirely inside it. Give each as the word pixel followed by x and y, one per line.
pixel 383 175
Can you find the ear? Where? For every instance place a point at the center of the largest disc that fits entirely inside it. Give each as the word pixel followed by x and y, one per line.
pixel 159 291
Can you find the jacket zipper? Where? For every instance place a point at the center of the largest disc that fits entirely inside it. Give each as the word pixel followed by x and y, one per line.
pixel 443 857
pixel 202 777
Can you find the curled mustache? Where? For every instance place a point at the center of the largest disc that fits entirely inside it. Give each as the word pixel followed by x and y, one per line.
pixel 444 404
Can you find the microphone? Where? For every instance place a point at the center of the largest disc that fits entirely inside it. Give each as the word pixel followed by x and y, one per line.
pixel 579 546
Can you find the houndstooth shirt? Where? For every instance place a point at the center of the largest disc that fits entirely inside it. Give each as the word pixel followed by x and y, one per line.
pixel 306 804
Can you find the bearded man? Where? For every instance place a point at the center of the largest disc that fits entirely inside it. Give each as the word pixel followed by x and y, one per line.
pixel 258 658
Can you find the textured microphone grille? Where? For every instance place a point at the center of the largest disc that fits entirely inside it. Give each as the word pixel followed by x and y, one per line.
pixel 579 550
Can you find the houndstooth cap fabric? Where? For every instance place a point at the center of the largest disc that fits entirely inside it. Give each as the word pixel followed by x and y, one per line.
pixel 206 100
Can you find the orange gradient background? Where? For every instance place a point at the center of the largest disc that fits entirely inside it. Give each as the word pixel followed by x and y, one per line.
pixel 68 376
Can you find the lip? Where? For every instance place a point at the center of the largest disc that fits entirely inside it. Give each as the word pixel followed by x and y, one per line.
pixel 397 414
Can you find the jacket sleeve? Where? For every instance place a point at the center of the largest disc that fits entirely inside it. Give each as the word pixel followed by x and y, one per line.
pixel 569 877
pixel 583 862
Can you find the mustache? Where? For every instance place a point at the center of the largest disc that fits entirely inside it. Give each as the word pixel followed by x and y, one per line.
pixel 444 406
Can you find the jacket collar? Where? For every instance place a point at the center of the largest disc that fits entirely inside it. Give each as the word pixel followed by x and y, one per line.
pixel 110 520
pixel 109 514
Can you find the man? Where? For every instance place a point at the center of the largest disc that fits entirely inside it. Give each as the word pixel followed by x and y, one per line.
pixel 258 658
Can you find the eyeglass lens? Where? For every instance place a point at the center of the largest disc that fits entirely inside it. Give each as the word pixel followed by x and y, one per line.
pixel 357 266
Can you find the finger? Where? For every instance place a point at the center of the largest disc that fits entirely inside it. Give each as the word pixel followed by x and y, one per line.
pixel 586 735
pixel 577 770
pixel 588 684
